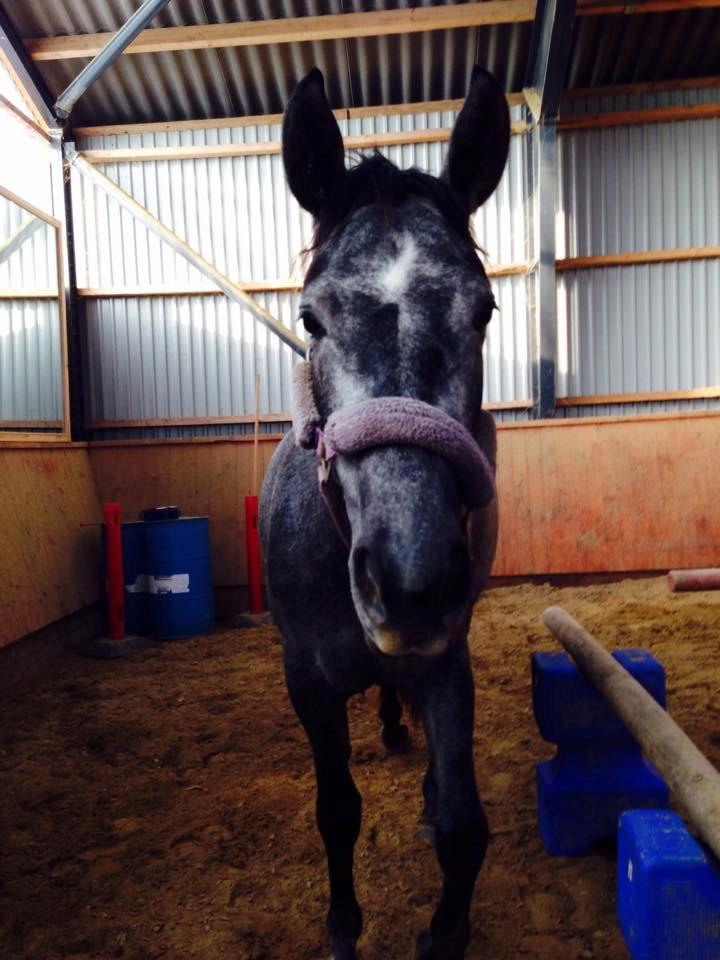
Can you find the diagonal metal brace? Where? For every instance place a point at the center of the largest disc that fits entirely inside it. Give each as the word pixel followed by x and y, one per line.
pixel 231 289
pixel 23 233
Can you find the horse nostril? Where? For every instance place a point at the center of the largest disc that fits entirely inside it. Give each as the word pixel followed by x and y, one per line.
pixel 366 581
pixel 418 598
pixel 447 589
pixel 359 563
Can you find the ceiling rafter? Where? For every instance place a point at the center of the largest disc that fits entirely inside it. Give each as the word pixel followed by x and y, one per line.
pixel 292 29
pixel 337 26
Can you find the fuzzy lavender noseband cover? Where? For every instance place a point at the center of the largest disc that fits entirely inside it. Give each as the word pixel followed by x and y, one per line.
pixel 385 421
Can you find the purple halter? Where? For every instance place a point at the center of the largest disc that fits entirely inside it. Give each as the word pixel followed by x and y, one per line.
pixel 385 421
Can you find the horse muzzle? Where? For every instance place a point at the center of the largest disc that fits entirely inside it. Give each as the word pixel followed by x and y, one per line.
pixel 392 644
pixel 411 609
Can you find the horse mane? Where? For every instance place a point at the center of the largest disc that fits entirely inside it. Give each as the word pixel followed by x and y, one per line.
pixel 376 180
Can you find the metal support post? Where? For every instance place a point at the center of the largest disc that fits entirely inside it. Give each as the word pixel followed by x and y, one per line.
pixel 545 295
pixel 547 65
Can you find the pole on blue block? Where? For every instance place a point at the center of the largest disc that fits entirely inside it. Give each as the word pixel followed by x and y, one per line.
pixel 688 773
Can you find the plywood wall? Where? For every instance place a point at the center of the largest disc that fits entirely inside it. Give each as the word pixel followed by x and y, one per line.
pixel 202 478
pixel 575 497
pixel 49 560
pixel 581 496
pixel 587 496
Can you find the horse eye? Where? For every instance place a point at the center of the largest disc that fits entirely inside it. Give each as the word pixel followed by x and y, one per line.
pixel 312 324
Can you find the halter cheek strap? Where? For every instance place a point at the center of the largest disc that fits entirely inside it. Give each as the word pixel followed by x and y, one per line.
pixel 385 421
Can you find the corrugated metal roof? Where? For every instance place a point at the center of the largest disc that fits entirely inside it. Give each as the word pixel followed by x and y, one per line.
pixel 241 81
pixel 644 48
pixel 238 81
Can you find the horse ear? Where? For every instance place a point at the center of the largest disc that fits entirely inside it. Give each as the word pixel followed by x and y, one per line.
pixel 480 141
pixel 312 145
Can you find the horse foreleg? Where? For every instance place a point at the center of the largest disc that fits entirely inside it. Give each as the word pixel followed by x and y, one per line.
pixel 460 825
pixel 394 734
pixel 338 808
pixel 429 791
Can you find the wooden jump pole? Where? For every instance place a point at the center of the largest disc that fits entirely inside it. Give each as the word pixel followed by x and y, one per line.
pixel 688 773
pixel 707 579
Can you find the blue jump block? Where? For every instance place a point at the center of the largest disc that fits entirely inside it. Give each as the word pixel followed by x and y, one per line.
pixel 668 889
pixel 598 771
pixel 568 708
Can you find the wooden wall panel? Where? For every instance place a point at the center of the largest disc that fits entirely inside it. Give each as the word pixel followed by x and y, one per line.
pixel 49 562
pixel 203 478
pixel 576 496
pixel 581 496
pixel 590 496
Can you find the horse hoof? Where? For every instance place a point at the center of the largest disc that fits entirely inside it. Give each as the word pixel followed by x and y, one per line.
pixel 345 953
pixel 397 739
pixel 426 831
pixel 426 950
pixel 423 947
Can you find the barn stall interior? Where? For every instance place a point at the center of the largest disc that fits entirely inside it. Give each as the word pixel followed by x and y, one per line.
pixel 162 804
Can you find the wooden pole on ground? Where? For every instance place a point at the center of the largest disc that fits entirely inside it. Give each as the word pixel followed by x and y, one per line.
pixel 708 579
pixel 688 773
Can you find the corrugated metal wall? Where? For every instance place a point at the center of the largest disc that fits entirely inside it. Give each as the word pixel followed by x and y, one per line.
pixel 9 90
pixel 29 165
pixel 30 348
pixel 170 357
pixel 621 330
pixel 651 187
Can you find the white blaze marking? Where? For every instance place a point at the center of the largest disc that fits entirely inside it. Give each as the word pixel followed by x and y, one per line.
pixel 351 389
pixel 395 278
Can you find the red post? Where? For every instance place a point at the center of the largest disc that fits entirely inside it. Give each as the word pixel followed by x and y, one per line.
pixel 252 541
pixel 114 562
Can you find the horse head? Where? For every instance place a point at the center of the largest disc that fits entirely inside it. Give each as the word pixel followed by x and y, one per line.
pixel 396 303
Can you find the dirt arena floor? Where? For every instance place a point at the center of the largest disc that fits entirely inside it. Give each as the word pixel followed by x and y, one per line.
pixel 162 805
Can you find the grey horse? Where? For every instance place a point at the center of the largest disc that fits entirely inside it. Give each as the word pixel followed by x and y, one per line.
pixel 374 583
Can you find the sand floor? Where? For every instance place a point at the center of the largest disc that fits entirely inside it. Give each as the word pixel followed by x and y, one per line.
pixel 162 806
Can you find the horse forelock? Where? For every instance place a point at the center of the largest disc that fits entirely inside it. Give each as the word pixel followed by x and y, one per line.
pixel 375 180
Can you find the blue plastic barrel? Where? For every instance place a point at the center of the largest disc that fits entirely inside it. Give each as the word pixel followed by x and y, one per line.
pixel 137 614
pixel 180 596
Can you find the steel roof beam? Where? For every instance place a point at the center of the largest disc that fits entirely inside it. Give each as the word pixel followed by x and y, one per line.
pixel 114 47
pixel 25 70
